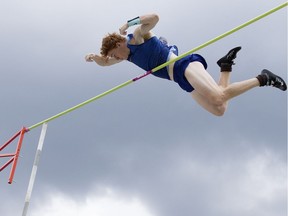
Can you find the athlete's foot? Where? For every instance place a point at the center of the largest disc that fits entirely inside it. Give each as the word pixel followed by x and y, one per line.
pixel 226 62
pixel 274 80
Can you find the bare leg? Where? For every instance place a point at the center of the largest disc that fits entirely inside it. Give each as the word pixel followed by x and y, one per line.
pixel 224 80
pixel 239 88
pixel 209 94
pixel 214 109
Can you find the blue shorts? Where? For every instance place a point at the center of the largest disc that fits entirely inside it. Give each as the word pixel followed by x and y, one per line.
pixel 180 67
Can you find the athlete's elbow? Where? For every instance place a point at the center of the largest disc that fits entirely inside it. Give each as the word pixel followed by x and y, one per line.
pixel 156 17
pixel 152 18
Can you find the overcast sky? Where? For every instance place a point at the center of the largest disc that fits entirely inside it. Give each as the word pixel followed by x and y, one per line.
pixel 147 149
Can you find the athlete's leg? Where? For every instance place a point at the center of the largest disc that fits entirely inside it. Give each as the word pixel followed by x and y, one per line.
pixel 203 102
pixel 209 94
pixel 214 97
pixel 225 63
pixel 224 80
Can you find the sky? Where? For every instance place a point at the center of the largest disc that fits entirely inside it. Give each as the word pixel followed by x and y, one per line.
pixel 147 149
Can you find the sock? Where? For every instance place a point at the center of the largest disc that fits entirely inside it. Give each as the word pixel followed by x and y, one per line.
pixel 262 78
pixel 226 67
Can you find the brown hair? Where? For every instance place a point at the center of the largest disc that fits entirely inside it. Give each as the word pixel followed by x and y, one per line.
pixel 109 42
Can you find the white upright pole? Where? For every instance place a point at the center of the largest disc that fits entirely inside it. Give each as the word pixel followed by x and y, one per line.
pixel 34 169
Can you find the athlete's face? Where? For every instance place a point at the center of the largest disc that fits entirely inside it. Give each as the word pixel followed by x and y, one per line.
pixel 121 52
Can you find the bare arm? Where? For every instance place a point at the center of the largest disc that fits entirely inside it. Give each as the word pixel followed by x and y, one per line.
pixel 142 32
pixel 147 23
pixel 100 60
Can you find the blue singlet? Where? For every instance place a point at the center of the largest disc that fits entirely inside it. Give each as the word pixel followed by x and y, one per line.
pixel 153 53
pixel 149 55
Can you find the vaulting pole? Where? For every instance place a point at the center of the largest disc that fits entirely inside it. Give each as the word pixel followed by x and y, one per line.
pixel 162 65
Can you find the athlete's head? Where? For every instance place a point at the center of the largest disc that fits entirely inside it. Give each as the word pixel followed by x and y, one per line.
pixel 114 45
pixel 111 42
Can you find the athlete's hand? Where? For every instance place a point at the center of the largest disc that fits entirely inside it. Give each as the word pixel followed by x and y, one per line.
pixel 89 57
pixel 123 29
pixel 100 60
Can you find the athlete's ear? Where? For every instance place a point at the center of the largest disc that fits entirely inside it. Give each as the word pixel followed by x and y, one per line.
pixel 118 44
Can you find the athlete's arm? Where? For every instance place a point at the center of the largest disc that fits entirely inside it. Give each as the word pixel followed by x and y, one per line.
pixel 101 60
pixel 145 22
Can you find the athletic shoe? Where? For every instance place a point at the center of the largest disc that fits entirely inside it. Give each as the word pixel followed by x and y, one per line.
pixel 274 80
pixel 226 62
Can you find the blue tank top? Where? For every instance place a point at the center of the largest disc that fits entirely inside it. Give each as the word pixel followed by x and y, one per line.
pixel 149 55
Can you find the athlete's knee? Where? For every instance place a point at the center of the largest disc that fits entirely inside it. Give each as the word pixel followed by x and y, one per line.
pixel 219 110
pixel 216 98
pixel 219 103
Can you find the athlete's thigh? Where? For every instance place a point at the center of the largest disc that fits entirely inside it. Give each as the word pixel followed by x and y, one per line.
pixel 200 79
